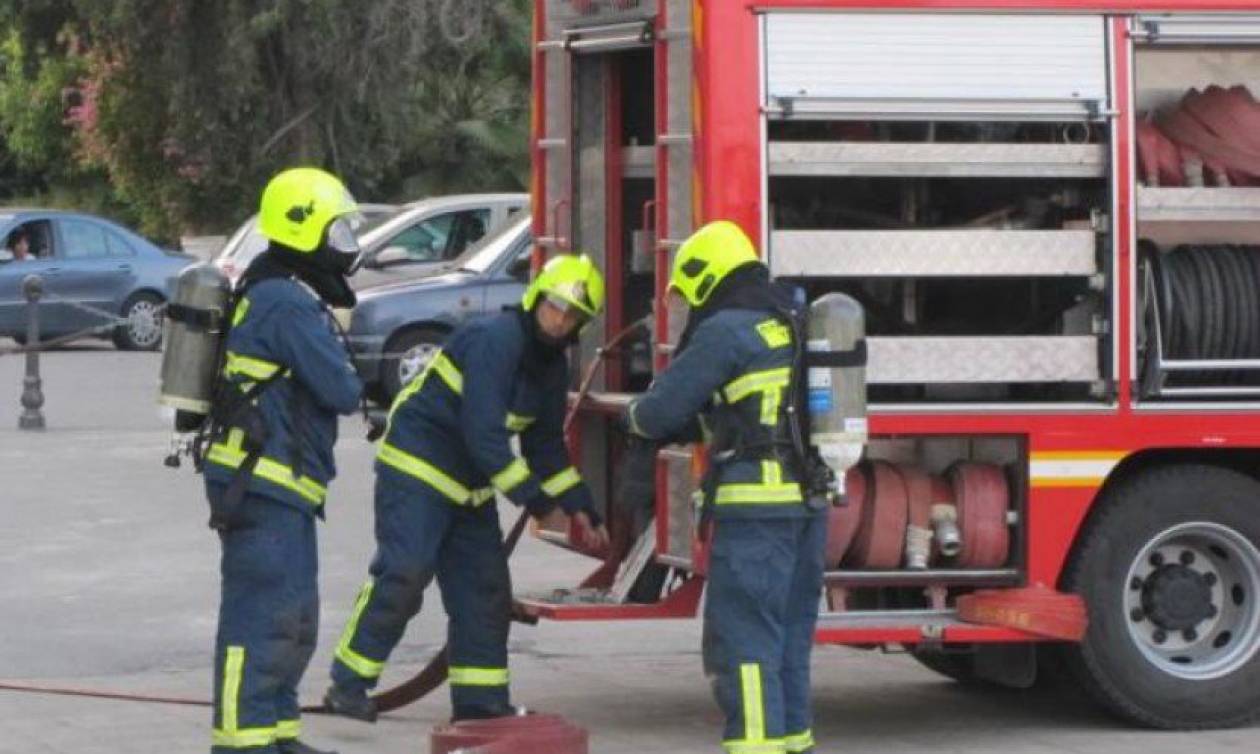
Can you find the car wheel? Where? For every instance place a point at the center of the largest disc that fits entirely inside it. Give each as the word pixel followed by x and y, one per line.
pixel 1170 572
pixel 406 356
pixel 141 329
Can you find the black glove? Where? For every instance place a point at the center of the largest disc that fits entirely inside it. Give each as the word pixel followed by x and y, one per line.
pixel 540 505
pixel 377 422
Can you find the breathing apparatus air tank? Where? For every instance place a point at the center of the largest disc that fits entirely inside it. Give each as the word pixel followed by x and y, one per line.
pixel 196 321
pixel 836 360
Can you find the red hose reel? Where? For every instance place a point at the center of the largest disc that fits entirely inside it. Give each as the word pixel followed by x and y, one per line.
pixel 887 503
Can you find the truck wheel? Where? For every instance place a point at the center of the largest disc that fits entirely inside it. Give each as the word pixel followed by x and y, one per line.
pixel 406 356
pixel 1170 572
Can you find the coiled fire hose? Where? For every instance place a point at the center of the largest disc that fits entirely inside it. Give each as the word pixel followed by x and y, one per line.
pixel 434 673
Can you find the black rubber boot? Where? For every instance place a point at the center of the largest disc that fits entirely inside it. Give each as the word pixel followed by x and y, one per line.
pixel 294 746
pixel 484 713
pixel 350 703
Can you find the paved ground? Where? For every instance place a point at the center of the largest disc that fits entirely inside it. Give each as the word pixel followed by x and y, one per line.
pixel 108 579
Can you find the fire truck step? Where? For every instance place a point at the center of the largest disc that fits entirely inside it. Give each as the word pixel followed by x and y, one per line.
pixel 910 627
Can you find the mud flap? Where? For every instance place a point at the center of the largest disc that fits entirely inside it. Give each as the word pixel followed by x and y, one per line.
pixel 1010 665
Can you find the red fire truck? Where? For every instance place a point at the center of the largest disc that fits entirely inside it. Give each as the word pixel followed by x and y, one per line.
pixel 1048 210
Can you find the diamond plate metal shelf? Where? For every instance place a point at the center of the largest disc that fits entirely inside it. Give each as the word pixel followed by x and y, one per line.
pixel 1157 204
pixel 934 253
pixel 838 159
pixel 982 359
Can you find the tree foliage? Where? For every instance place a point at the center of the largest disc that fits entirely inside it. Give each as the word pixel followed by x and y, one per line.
pixel 185 107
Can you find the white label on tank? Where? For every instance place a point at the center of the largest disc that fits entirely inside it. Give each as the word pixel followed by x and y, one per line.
pixel 855 426
pixel 819 377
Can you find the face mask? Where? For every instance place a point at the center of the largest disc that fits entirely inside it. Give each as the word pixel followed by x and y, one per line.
pixel 343 246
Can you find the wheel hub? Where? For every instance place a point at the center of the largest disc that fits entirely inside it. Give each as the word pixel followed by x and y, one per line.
pixel 1190 600
pixel 1176 598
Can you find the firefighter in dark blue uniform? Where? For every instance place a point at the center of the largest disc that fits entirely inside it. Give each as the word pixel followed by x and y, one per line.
pixel 287 377
pixel 733 369
pixel 446 453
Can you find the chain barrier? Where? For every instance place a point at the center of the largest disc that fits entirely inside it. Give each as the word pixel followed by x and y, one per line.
pixel 110 321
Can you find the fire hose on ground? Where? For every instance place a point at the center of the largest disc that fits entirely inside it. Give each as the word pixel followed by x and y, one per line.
pixel 434 674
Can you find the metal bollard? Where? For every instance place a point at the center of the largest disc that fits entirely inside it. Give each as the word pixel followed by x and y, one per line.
pixel 32 387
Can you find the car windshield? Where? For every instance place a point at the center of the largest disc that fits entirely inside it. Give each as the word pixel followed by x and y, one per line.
pixel 482 257
pixel 378 229
pixel 372 221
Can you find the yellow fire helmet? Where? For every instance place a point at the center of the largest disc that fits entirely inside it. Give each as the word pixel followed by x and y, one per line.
pixel 570 281
pixel 302 206
pixel 707 257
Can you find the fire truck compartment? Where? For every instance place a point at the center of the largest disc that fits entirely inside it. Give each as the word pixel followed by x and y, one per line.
pixel 1197 205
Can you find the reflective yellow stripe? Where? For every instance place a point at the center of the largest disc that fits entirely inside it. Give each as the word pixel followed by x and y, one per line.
pixel 634 424
pixel 799 742
pixel 233 669
pixel 772 490
pixel 558 484
pixel 758 494
pixel 287 730
pixel 230 734
pixel 774 333
pixel 508 479
pixel 245 739
pixel 449 373
pixel 358 663
pixel 466 676
pixel 230 455
pixel 770 401
pixel 250 366
pixel 242 309
pixel 770 383
pixel 481 496
pixel 754 711
pixel 756 382
pixel 518 423
pixel 424 471
pixel 754 747
pixel 443 367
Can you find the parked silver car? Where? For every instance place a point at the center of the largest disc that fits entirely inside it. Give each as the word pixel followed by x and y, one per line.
pixel 396 329
pixel 94 272
pixel 410 241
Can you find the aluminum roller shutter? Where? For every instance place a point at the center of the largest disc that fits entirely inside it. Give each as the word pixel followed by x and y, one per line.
pixel 903 63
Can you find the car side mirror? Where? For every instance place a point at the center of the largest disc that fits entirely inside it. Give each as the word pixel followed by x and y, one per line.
pixel 391 256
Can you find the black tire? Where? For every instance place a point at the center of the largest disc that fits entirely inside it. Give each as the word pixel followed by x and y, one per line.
pixel 401 351
pixel 1138 595
pixel 142 330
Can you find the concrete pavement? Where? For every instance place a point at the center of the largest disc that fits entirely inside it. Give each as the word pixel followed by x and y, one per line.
pixel 108 579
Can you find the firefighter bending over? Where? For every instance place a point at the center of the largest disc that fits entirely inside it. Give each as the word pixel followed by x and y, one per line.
pixel 734 368
pixel 446 452
pixel 274 423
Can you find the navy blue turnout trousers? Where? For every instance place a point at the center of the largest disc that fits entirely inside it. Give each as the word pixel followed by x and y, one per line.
pixel 421 534
pixel 765 582
pixel 268 625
